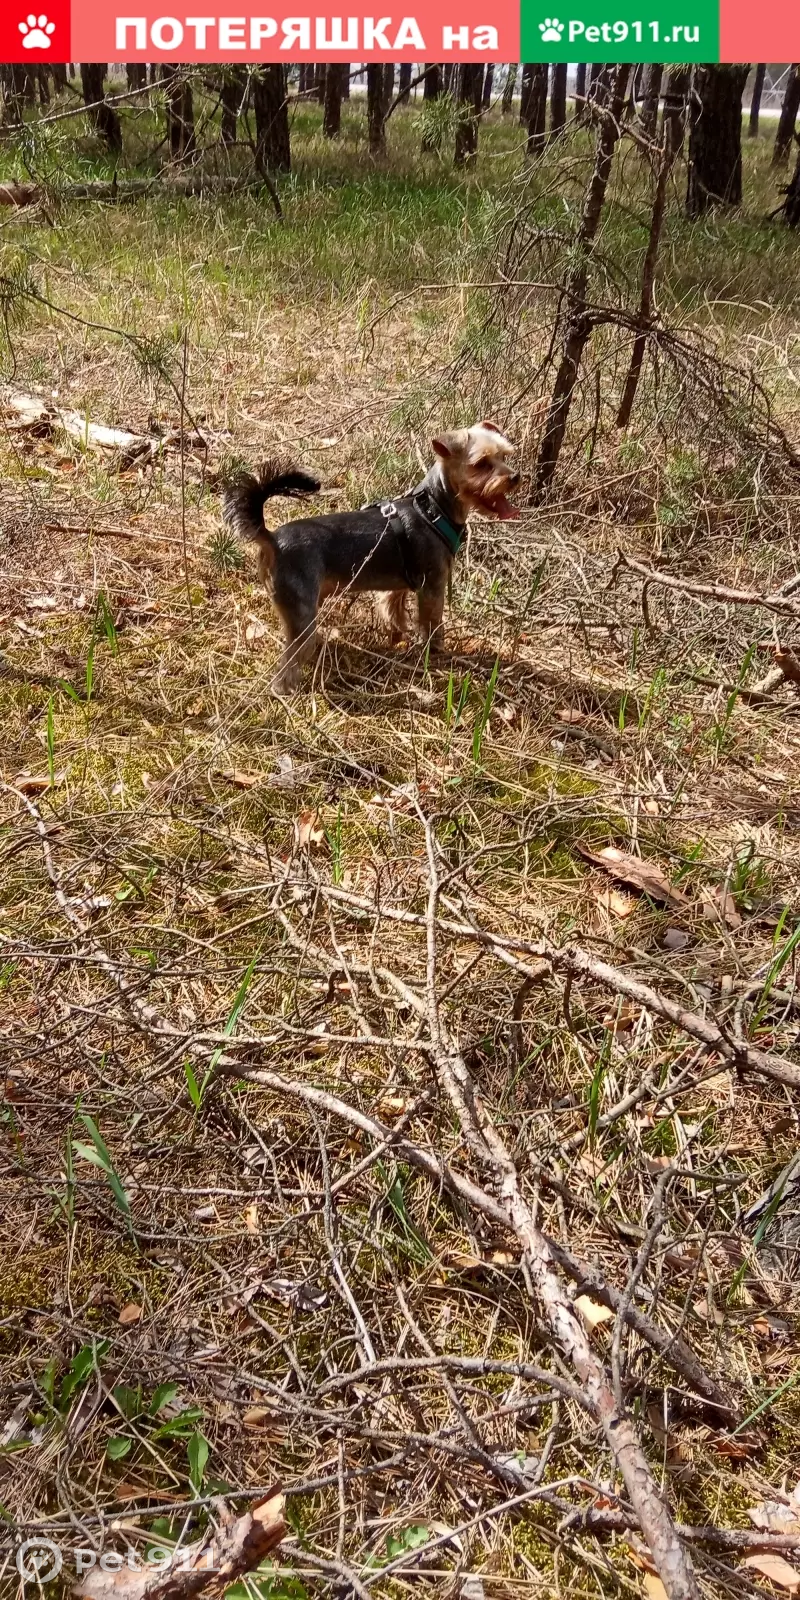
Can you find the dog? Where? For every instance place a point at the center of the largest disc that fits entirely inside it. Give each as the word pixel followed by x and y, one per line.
pixel 394 547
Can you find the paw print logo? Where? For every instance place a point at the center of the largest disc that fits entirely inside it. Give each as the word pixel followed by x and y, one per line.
pixel 36 33
pixel 551 30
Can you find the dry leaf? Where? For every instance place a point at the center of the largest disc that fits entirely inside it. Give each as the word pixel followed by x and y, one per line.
pixel 241 779
pixel 654 1586
pixel 620 905
pixel 30 785
pixel 652 808
pixel 675 939
pixel 591 1312
pixel 775 1568
pixel 256 1416
pixel 251 1218
pixel 569 714
pixel 255 630
pixel 130 1314
pixel 309 833
pixel 643 875
pixel 737 1447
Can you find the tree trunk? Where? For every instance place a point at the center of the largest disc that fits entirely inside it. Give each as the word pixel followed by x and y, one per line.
pixel 14 77
pixel 234 87
pixel 432 86
pixel 525 92
pixel 44 87
pixel 180 114
pixel 345 65
pixel 537 108
pixel 404 84
pixel 755 99
pixel 449 77
pixel 375 114
pixel 332 119
pixel 306 78
pixel 580 87
pixel 676 90
pixel 319 81
pixel 788 117
pixel 470 90
pixel 715 138
pixel 601 77
pixel 508 89
pixel 651 93
pixel 578 325
pixel 103 117
pixel 488 80
pixel 136 74
pixel 791 205
pixel 59 71
pixel 558 99
pixel 388 85
pixel 271 107
pixel 672 140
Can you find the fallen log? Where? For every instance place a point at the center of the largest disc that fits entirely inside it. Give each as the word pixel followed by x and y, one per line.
pixel 237 1546
pixel 32 413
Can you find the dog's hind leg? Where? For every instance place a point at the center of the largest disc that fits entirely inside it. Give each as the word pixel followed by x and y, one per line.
pixel 300 633
pixel 430 610
pixel 392 608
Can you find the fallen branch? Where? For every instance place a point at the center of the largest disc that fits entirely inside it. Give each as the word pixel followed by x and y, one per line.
pixel 36 415
pixel 237 1546
pixel 655 1520
pixel 574 961
pixel 716 592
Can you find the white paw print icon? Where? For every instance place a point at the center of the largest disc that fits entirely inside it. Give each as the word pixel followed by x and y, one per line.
pixel 551 30
pixel 36 33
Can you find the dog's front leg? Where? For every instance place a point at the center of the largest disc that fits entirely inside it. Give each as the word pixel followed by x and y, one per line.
pixel 430 610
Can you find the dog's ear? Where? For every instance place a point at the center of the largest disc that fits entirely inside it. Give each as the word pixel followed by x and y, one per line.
pixel 443 446
pixel 491 427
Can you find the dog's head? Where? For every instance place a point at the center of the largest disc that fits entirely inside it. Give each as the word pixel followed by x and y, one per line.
pixel 478 466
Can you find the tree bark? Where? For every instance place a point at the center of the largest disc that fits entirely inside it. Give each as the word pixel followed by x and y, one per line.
pixel 580 87
pixel 715 138
pixel 578 325
pixel 525 92
pixel 508 89
pixel 332 119
pixel 234 84
pixel 791 205
pixel 375 112
pixel 345 65
pixel 59 71
pixel 136 74
pixel 470 90
pixel 432 87
pixel 388 85
pixel 404 84
pixel 558 99
pixel 271 108
pixel 651 93
pixel 103 117
pixel 788 117
pixel 676 90
pixel 180 114
pixel 488 80
pixel 319 81
pixel 43 85
pixel 671 142
pixel 537 108
pixel 449 75
pixel 755 99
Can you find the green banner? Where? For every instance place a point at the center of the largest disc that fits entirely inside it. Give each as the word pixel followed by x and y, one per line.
pixel 621 30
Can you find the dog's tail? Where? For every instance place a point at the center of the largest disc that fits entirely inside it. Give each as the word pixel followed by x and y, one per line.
pixel 244 498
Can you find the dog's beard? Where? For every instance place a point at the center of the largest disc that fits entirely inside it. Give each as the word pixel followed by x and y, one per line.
pixel 491 497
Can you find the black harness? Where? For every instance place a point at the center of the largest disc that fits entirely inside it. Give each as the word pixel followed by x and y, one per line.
pixel 422 501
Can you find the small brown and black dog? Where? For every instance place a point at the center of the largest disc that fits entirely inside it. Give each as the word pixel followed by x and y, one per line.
pixel 395 547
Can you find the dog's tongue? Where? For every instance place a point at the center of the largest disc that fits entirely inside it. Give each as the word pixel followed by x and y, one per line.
pixel 505 511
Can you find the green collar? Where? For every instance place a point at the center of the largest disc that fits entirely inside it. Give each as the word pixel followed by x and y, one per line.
pixel 452 533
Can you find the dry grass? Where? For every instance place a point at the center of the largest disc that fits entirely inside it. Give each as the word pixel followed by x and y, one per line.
pixel 217 844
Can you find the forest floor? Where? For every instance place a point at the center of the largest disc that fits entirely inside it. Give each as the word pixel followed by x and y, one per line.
pixel 213 903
